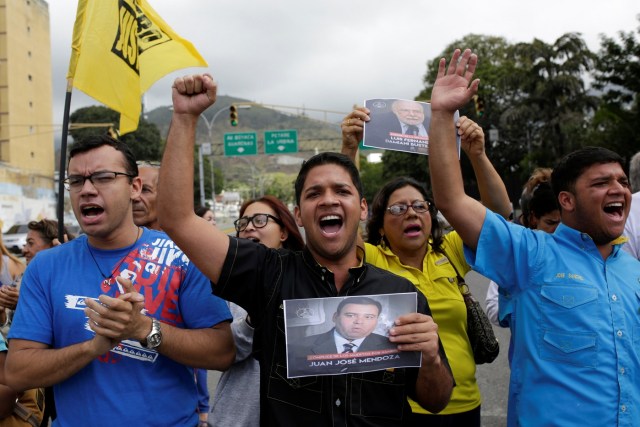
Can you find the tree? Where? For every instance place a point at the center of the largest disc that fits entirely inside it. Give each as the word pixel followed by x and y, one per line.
pixel 280 185
pixel 550 108
pixel 617 75
pixel 372 178
pixel 495 71
pixel 396 163
pixel 534 94
pixel 145 142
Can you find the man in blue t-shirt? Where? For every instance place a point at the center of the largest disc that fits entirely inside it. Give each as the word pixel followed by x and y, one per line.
pixel 575 294
pixel 116 350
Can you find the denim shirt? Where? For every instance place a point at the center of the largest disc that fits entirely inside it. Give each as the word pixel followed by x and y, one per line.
pixel 576 359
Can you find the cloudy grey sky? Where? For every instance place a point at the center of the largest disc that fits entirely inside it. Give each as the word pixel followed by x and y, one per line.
pixel 331 54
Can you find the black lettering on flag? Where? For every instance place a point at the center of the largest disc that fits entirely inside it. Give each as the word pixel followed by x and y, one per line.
pixel 136 34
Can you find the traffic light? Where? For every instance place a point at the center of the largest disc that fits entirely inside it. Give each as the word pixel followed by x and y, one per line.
pixel 479 102
pixel 233 115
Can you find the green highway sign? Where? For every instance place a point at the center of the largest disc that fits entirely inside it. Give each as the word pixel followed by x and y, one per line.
pixel 240 144
pixel 280 141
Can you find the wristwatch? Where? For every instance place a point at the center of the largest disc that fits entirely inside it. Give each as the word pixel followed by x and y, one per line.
pixel 154 339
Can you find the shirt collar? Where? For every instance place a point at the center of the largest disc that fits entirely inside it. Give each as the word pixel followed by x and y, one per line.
pixel 320 269
pixel 579 238
pixel 340 340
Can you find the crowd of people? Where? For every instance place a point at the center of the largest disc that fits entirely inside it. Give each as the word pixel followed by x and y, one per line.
pixel 122 323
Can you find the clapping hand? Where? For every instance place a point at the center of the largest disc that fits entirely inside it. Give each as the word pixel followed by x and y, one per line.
pixel 116 319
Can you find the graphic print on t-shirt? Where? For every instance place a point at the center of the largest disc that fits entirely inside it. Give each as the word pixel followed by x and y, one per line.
pixel 156 271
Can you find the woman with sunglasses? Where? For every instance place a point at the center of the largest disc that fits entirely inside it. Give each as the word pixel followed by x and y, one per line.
pixel 405 237
pixel 237 398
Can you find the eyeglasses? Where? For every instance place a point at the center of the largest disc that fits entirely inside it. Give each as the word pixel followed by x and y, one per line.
pixel 98 179
pixel 419 206
pixel 258 221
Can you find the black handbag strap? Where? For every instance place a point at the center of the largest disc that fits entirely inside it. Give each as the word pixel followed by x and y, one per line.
pixel 462 285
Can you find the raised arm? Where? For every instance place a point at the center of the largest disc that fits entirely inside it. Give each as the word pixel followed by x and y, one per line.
pixel 453 89
pixel 353 130
pixel 493 192
pixel 206 246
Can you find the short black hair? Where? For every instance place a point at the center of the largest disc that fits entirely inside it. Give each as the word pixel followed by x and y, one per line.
pixel 359 301
pixel 573 165
pixel 327 158
pixel 201 210
pixel 543 201
pixel 96 141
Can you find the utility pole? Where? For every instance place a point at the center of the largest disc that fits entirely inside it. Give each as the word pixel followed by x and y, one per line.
pixel 209 124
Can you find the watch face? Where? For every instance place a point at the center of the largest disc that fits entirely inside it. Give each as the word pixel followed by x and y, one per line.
pixel 154 340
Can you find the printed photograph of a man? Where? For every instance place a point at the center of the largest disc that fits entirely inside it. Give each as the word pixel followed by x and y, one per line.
pixel 351 345
pixel 398 124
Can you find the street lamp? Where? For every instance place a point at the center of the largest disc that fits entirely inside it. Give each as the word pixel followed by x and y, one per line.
pixel 209 124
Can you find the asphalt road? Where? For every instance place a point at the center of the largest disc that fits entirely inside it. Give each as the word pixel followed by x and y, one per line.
pixel 493 378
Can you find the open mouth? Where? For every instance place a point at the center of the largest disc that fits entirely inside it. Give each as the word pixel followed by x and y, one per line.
pixel 91 211
pixel 412 230
pixel 330 224
pixel 615 209
pixel 254 239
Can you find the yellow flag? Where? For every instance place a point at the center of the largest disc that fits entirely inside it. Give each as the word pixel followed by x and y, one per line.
pixel 119 49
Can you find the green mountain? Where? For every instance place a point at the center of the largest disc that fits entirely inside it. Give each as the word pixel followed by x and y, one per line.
pixel 313 134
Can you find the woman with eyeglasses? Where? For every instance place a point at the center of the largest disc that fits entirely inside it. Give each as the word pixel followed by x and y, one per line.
pixel 237 398
pixel 405 237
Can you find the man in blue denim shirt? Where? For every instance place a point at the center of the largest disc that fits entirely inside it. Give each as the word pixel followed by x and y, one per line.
pixel 576 293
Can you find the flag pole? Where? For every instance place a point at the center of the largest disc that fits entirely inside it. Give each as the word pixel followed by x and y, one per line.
pixel 63 160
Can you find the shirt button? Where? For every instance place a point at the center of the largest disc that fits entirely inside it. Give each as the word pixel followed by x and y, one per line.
pixel 619 333
pixel 338 403
pixel 623 408
pixel 614 297
pixel 622 371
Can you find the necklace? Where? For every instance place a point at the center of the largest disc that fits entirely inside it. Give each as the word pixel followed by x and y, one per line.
pixel 106 279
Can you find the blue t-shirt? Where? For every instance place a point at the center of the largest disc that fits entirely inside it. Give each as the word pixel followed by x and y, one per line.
pixel 129 384
pixel 576 356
